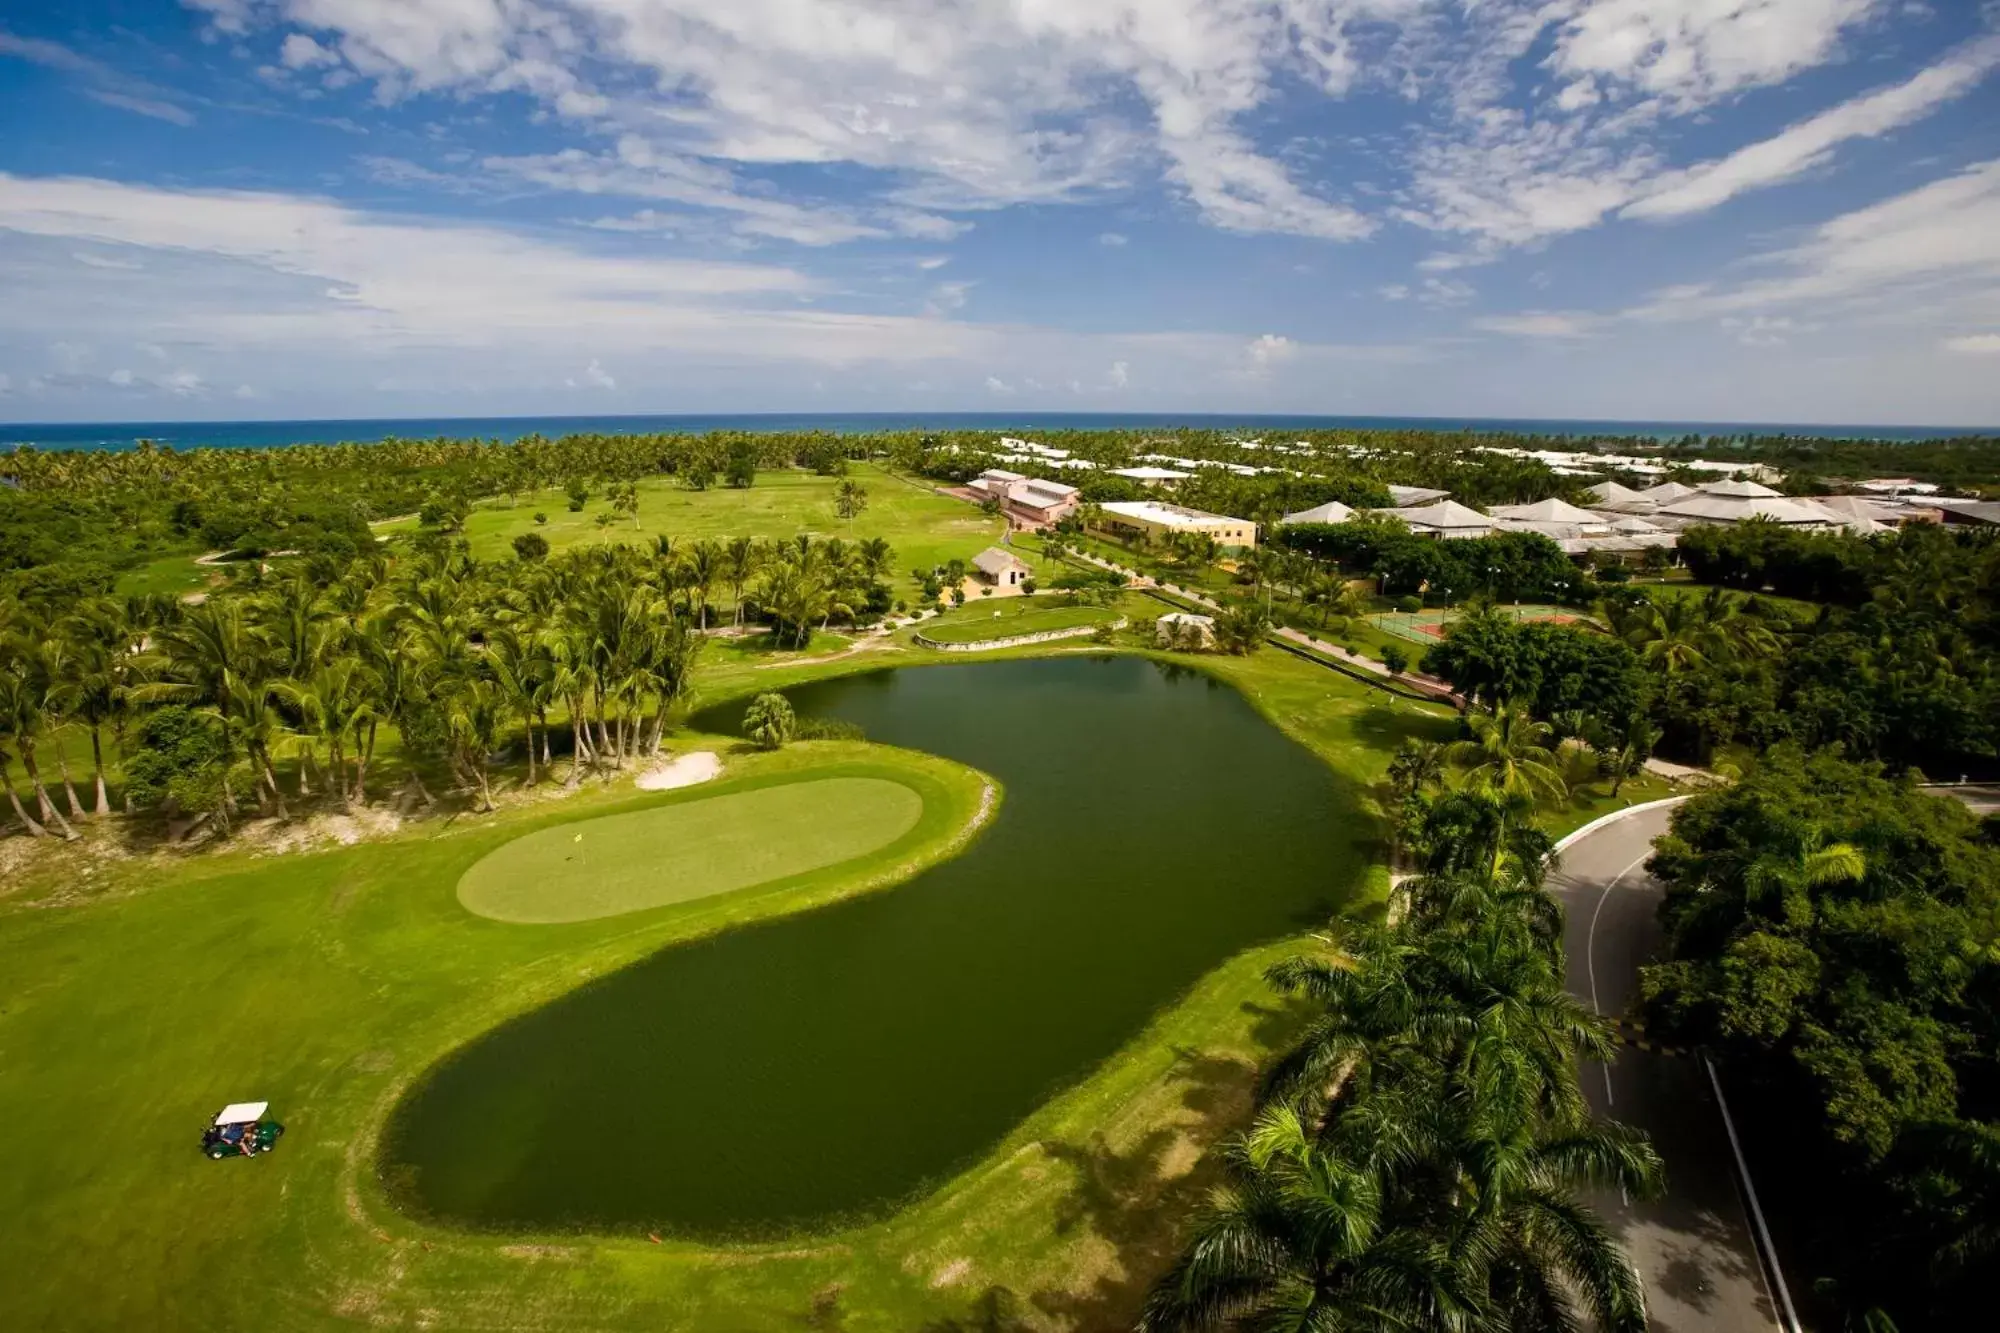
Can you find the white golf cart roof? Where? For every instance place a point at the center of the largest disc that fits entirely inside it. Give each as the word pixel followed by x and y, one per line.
pixel 242 1113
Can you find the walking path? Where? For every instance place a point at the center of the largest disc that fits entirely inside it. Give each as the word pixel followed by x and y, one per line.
pixel 1414 680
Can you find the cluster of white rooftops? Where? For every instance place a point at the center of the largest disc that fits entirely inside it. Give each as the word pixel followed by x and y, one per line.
pixel 1627 520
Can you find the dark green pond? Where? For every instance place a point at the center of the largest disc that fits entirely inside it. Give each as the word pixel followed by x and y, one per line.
pixel 836 1062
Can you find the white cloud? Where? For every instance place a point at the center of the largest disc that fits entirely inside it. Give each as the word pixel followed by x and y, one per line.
pixel 1119 376
pixel 1430 291
pixel 100 82
pixel 930 262
pixel 946 297
pixel 638 170
pixel 1811 143
pixel 1271 349
pixel 594 376
pixel 1763 330
pixel 994 384
pixel 1939 242
pixel 1691 53
pixel 243 392
pixel 1554 324
pixel 302 52
pixel 1975 344
pixel 965 104
pixel 1111 238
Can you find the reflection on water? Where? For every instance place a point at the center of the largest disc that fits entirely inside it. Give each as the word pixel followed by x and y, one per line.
pixel 835 1062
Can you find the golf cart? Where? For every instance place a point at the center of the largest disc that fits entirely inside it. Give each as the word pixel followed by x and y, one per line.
pixel 241 1131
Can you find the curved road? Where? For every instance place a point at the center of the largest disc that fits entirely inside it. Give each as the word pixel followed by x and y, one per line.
pixel 1693 1246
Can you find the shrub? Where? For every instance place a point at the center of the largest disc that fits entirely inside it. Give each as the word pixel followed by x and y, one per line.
pixel 1395 659
pixel 531 547
pixel 828 729
pixel 769 721
pixel 540 517
pixel 1409 605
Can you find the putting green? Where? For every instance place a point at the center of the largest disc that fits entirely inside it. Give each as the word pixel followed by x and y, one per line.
pixel 694 849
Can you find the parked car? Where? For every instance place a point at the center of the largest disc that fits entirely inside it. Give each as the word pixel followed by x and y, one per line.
pixel 241 1130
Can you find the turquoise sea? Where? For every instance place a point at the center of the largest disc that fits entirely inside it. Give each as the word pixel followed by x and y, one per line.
pixel 267 434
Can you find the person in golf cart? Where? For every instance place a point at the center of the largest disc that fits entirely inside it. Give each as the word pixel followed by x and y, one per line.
pixel 241 1131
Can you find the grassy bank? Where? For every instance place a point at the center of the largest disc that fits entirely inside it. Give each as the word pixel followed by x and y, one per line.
pixel 135 1004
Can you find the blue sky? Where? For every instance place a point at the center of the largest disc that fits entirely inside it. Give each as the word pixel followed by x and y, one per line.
pixel 1778 210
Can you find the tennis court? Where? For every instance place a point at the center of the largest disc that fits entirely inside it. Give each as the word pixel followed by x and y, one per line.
pixel 1427 626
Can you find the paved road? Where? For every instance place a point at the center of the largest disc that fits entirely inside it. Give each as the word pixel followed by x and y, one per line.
pixel 1693 1246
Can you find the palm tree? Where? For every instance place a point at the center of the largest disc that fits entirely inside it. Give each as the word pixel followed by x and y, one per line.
pixel 769 721
pixel 1509 754
pixel 33 700
pixel 740 559
pixel 1803 860
pixel 701 566
pixel 102 666
pixel 13 706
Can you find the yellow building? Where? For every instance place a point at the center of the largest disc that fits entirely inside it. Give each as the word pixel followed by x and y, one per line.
pixel 1154 520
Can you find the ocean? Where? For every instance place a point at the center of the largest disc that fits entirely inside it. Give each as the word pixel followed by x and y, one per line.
pixel 274 434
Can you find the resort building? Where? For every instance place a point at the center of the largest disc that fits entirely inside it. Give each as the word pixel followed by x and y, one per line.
pixel 1184 629
pixel 1727 503
pixel 1610 495
pixel 1333 511
pixel 1003 569
pixel 1445 520
pixel 1029 499
pixel 1151 476
pixel 1152 519
pixel 1551 518
pixel 1406 497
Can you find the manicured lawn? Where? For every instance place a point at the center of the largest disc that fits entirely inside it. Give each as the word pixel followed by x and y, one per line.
pixel 925 528
pixel 1016 616
pixel 171 574
pixel 676 853
pixel 139 999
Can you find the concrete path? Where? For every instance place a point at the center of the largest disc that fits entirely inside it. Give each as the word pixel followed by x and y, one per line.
pixel 1693 1245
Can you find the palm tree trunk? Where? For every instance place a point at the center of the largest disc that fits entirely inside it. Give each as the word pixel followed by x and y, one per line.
pixel 271 780
pixel 20 811
pixel 46 807
pixel 364 753
pixel 97 764
pixel 529 721
pixel 69 788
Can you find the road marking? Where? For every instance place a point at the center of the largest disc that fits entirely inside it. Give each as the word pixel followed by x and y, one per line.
pixel 1590 937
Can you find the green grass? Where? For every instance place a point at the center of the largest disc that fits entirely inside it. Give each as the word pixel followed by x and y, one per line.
pixel 140 996
pixel 925 528
pixel 981 623
pixel 1688 590
pixel 650 858
pixel 174 575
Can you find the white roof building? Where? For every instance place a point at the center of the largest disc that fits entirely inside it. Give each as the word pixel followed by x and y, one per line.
pixel 1667 492
pixel 1613 496
pixel 1153 516
pixel 1445 519
pixel 1407 496
pixel 1726 510
pixel 1547 511
pixel 1149 475
pixel 1333 511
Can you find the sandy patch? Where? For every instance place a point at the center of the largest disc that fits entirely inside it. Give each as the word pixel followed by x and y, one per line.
pixel 682 771
pixel 279 837
pixel 954 1272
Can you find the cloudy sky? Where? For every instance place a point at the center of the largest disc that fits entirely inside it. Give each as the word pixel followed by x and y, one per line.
pixel 1776 210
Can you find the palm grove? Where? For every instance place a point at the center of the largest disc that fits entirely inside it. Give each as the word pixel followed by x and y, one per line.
pixel 280 690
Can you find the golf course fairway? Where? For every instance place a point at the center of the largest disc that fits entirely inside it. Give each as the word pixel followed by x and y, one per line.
pixel 677 853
